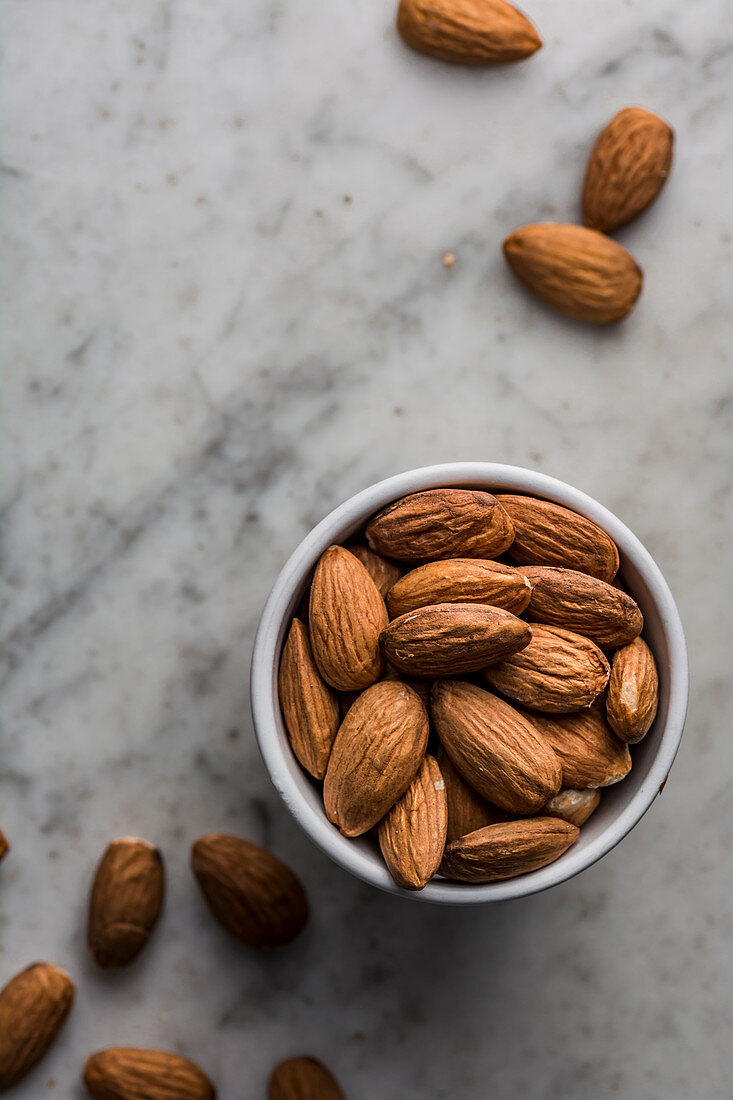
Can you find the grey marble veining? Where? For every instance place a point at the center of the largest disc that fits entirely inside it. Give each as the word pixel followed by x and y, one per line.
pixel 224 312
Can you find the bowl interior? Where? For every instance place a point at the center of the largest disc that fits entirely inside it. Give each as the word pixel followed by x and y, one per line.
pixel 621 805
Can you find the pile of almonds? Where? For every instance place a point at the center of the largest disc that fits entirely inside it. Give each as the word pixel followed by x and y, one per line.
pixel 466 711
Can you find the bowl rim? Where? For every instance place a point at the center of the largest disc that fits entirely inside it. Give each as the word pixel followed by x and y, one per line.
pixel 334 528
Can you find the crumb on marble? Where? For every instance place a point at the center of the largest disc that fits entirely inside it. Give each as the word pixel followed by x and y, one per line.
pixel 448 259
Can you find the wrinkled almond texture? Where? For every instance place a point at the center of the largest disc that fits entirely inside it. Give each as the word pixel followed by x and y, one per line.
pixel 548 534
pixel 127 1073
pixel 347 615
pixel 310 707
pixel 558 672
pixel 573 806
pixel 441 523
pixel 384 573
pixel 375 756
pixel 590 754
pixel 575 270
pixel 467 809
pixel 4 846
pixel 470 32
pixel 584 604
pixel 450 638
pixel 633 692
pixel 506 850
pixel 460 580
pixel 303 1079
pixel 33 1009
pixel 495 749
pixel 250 892
pixel 628 166
pixel 412 835
pixel 125 901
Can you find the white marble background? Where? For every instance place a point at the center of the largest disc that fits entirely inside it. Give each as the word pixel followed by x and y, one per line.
pixel 225 311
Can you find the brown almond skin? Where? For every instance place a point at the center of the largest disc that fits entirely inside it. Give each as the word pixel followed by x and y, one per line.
pixel 310 707
pixel 375 756
pixel 496 749
pixel 590 754
pixel 303 1079
pixel 460 580
pixel 125 901
pixel 255 896
pixel 507 850
pixel 584 604
pixel 576 270
pixel 347 615
pixel 441 523
pixel 628 166
pixel 448 639
pixel 467 809
pixel 548 534
pixel 128 1073
pixel 633 692
pixel 557 673
pixel 4 846
pixel 412 835
pixel 384 573
pixel 33 1008
pixel 573 806
pixel 467 32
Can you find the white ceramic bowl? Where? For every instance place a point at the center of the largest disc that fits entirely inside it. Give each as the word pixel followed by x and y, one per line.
pixel 622 806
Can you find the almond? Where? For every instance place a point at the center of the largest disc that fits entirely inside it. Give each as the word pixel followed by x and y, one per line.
pixel 412 835
pixel 584 604
pixel 303 1079
pixel 467 810
pixel 460 580
pixel 347 615
pixel 250 892
pixel 4 846
pixel 558 672
pixel 441 523
pixel 633 692
pixel 471 32
pixel 496 750
pixel 506 850
pixel 585 745
pixel 127 1073
pixel 451 638
pixel 33 1009
pixel 125 902
pixel 548 534
pixel 384 573
pixel 575 270
pixel 628 167
pixel 310 707
pixel 573 806
pixel 375 756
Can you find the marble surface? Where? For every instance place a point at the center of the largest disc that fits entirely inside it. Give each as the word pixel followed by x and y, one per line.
pixel 225 311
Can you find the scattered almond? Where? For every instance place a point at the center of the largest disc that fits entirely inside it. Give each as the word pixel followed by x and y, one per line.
pixel 303 1079
pixel 450 638
pixel 628 166
pixel 573 806
pixel 584 604
pixel 375 756
pixel 467 809
pixel 250 892
pixel 506 850
pixel 548 534
pixel 441 523
pixel 4 846
pixel 496 749
pixel 633 692
pixel 384 573
pixel 590 754
pixel 310 707
pixel 125 902
pixel 558 672
pixel 347 615
pixel 33 1009
pixel 460 580
pixel 127 1073
pixel 470 32
pixel 575 270
pixel 412 834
